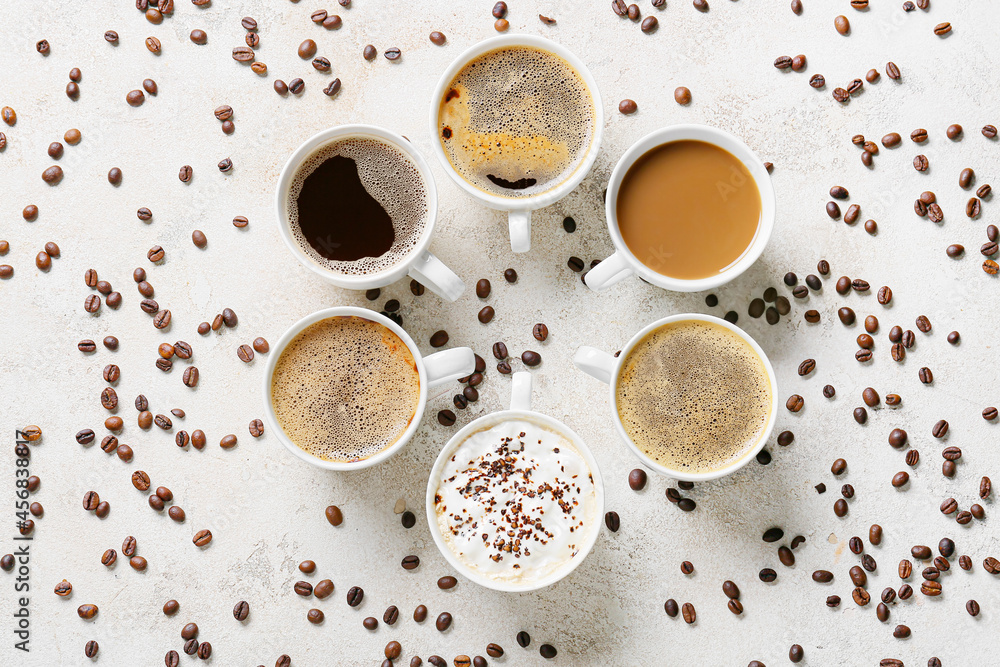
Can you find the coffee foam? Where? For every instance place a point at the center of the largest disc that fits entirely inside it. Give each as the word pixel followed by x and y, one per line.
pixel 694 396
pixel 516 113
pixel 345 388
pixel 391 178
pixel 516 502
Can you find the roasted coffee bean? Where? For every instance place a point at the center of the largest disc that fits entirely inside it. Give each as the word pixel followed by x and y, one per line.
pixel 355 595
pixel 794 403
pixel 861 596
pixel 190 376
pixel 202 538
pixel 870 397
pixel 840 508
pixel 87 611
pixel 767 575
pixel 822 576
pixel 900 479
pixel 817 81
pixel 940 429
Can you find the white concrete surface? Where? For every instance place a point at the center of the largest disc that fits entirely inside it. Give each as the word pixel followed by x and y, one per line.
pixel 265 508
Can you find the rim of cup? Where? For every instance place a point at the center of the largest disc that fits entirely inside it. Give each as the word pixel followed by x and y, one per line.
pixel 724 140
pixel 279 348
pixel 551 195
pixel 483 423
pixel 295 160
pixel 646 460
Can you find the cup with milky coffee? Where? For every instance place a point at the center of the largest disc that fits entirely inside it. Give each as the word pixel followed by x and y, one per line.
pixel 692 396
pixel 518 122
pixel 689 208
pixel 515 499
pixel 345 388
pixel 357 205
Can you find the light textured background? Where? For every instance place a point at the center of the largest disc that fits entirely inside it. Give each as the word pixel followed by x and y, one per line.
pixel 266 507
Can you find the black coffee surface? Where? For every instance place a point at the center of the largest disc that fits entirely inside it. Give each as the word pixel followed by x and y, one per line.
pixel 338 217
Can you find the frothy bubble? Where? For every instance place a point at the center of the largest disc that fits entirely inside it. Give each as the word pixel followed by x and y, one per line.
pixel 694 396
pixel 345 388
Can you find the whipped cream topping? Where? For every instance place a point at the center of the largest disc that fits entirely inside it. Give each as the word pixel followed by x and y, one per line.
pixel 516 501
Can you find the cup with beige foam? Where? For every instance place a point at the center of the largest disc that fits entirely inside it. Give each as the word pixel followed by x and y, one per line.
pixel 518 122
pixel 693 396
pixel 515 499
pixel 345 388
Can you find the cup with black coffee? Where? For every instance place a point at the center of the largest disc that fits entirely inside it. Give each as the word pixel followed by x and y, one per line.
pixel 357 205
pixel 693 396
pixel 345 388
pixel 518 121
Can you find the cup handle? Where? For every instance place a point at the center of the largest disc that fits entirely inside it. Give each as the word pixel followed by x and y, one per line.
pixel 520 391
pixel 520 230
pixel 449 365
pixel 612 270
pixel 596 363
pixel 431 272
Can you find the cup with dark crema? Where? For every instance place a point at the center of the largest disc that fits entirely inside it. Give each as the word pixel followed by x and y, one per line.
pixel 357 205
pixel 518 122
pixel 693 396
pixel 345 388
pixel 689 208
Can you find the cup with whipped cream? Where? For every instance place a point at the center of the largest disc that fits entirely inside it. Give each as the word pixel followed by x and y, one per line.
pixel 515 498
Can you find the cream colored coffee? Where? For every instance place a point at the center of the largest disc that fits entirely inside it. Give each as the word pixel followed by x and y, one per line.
pixel 516 121
pixel 357 205
pixel 694 396
pixel 345 388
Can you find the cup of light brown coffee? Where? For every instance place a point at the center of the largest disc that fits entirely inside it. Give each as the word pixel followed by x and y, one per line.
pixel 689 208
pixel 518 121
pixel 693 396
pixel 345 388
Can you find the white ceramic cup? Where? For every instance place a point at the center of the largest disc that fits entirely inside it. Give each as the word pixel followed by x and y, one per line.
pixel 519 209
pixel 433 370
pixel 623 263
pixel 520 409
pixel 606 368
pixel 420 264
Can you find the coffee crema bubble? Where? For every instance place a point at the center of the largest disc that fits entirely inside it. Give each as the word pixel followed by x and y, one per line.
pixel 694 396
pixel 357 206
pixel 345 389
pixel 516 121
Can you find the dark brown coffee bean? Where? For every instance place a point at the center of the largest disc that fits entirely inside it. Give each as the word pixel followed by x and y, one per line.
pixel 940 429
pixel 942 29
pixel 870 397
pixel 811 316
pixel 190 376
pixel 392 53
pixel 795 403
pixel 446 417
pixel 612 521
pixel 822 576
pixel 202 538
pixel 817 81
